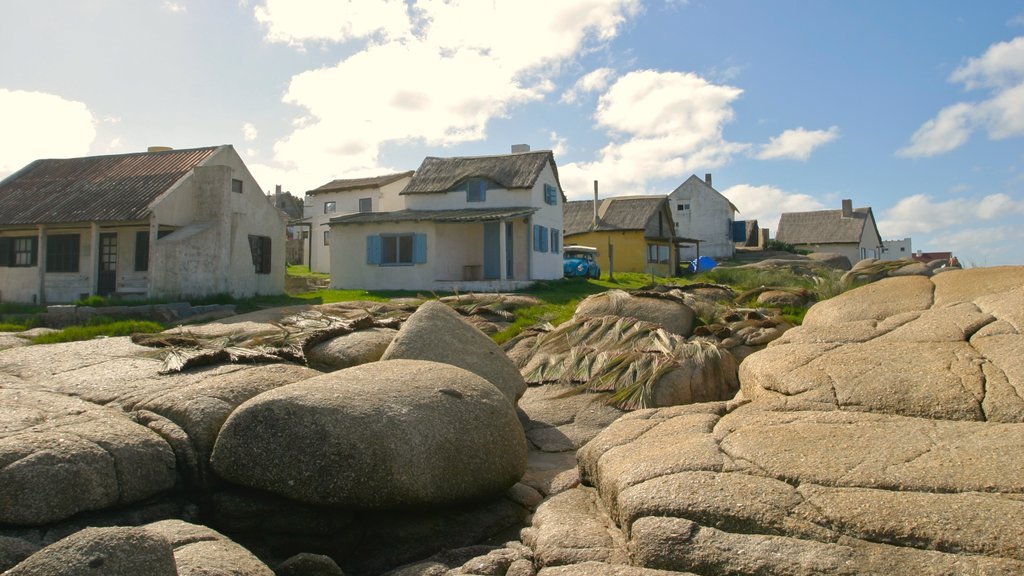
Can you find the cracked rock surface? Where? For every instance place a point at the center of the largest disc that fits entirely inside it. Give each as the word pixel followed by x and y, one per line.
pixel 882 437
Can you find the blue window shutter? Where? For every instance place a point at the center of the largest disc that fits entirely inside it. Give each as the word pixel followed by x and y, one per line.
pixel 536 238
pixel 739 231
pixel 373 249
pixel 419 248
pixel 543 239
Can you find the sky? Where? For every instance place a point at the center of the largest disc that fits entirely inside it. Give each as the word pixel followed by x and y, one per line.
pixel 914 108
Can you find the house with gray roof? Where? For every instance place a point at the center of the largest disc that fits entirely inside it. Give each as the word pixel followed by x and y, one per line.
pixel 638 230
pixel 481 223
pixel 702 213
pixel 347 196
pixel 161 223
pixel 849 231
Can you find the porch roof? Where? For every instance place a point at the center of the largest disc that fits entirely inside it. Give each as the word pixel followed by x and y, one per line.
pixel 462 215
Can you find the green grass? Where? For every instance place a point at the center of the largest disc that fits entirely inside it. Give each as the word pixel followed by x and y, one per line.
pixel 8 327
pixel 300 271
pixel 117 328
pixel 16 308
pixel 743 279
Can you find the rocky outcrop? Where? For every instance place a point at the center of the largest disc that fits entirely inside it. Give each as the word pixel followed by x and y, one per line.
pixel 200 551
pixel 669 313
pixel 392 434
pixel 877 438
pixel 110 551
pixel 437 333
pixel 352 349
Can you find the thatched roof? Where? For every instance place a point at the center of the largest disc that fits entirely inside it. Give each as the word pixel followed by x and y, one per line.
pixel 823 227
pixel 617 213
pixel 343 184
pixel 508 170
pixel 459 215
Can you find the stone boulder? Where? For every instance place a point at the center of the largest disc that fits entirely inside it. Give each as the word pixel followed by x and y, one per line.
pixel 108 551
pixel 437 333
pixel 671 314
pixel 385 435
pixel 201 551
pixel 13 550
pixel 352 349
pixel 60 456
pixel 306 564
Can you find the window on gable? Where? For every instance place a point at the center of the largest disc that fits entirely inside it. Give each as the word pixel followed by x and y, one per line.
pixel 330 207
pixel 396 249
pixel 260 248
pixel 236 186
pixel 476 190
pixel 550 195
pixel 683 206
pixel 62 253
pixel 19 251
pixel 366 204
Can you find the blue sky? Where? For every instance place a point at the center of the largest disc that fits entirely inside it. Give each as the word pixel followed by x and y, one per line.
pixel 915 108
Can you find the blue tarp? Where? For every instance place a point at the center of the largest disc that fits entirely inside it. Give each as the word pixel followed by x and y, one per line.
pixel 705 263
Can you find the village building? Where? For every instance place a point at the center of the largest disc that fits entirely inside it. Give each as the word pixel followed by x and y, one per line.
pixel 702 213
pixel 850 231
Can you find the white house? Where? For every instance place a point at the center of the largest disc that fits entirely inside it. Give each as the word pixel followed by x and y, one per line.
pixel 850 231
pixel 896 249
pixel 163 223
pixel 347 196
pixel 702 213
pixel 483 223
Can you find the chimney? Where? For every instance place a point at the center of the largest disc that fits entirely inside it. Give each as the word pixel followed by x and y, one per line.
pixel 847 208
pixel 707 179
pixel 520 148
pixel 277 189
pixel 594 224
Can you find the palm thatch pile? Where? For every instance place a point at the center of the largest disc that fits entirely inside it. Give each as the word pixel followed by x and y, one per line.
pixel 628 358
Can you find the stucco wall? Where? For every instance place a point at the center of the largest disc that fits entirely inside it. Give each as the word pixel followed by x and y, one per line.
pixel 709 219
pixel 630 251
pixel 350 270
pixel 896 249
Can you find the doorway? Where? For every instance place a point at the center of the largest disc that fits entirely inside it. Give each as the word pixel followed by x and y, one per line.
pixel 106 282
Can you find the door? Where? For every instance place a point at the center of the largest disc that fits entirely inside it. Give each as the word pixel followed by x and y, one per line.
pixel 106 282
pixel 508 251
pixel 492 251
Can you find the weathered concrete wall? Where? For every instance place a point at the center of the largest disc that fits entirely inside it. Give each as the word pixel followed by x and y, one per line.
pixel 709 219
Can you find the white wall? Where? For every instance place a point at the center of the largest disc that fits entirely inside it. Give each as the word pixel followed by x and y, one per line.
pixel 896 249
pixel 351 271
pixel 709 219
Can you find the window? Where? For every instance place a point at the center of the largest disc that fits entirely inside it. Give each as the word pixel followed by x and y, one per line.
pixel 555 241
pixel 260 248
pixel 476 190
pixel 327 237
pixel 330 207
pixel 19 251
pixel 540 238
pixel 142 251
pixel 62 253
pixel 682 207
pixel 396 249
pixel 236 186
pixel 366 205
pixel 657 254
pixel 550 195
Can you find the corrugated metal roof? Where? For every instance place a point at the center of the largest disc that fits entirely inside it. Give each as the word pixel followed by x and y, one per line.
pixel 822 227
pixel 616 213
pixel 461 215
pixel 94 188
pixel 355 183
pixel 508 170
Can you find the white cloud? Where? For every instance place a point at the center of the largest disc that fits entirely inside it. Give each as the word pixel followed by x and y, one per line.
pixel 559 145
pixel 980 246
pixel 920 213
pixel 594 81
pixel 440 83
pixel 39 125
pixel 174 7
pixel 297 21
pixel 1000 70
pixel 767 203
pixel 797 144
pixel 249 132
pixel 665 125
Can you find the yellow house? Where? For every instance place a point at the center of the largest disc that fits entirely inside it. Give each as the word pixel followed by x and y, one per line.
pixel 637 231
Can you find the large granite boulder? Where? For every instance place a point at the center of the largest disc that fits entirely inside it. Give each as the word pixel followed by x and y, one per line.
pixel 60 456
pixel 940 347
pixel 437 333
pixel 671 314
pixel 108 551
pixel 385 435
pixel 352 349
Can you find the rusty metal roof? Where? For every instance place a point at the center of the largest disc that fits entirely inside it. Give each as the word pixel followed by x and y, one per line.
pixel 356 183
pixel 112 188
